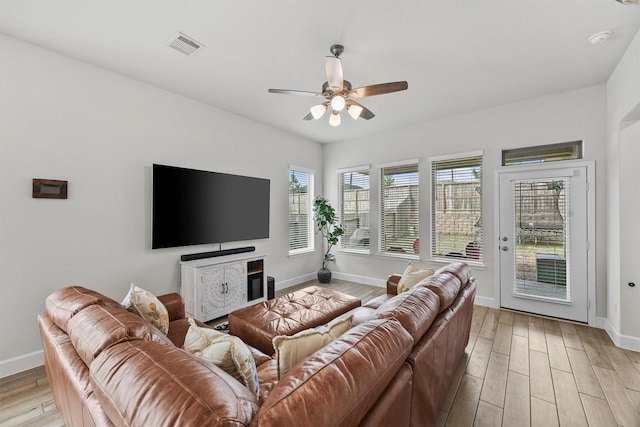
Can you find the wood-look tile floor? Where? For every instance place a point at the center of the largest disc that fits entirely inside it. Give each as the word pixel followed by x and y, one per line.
pixel 518 370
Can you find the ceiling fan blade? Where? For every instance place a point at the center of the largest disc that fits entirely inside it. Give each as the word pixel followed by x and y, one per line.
pixel 333 67
pixel 365 114
pixel 379 89
pixel 295 92
pixel 308 117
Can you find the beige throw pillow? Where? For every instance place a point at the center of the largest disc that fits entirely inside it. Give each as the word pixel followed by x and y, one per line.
pixel 412 276
pixel 292 349
pixel 146 305
pixel 227 352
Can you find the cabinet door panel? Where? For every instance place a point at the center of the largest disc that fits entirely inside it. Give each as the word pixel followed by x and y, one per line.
pixel 236 279
pixel 212 293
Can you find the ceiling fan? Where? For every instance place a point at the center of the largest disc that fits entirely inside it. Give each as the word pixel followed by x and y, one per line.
pixel 340 95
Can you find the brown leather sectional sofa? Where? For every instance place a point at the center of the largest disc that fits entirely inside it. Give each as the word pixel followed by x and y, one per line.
pixel 107 366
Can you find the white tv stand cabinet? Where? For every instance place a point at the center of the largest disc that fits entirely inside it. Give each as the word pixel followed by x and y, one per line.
pixel 214 287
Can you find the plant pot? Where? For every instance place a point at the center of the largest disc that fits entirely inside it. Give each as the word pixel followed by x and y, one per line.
pixel 324 275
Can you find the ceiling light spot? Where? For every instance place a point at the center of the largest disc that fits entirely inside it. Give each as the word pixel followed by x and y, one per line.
pixel 600 37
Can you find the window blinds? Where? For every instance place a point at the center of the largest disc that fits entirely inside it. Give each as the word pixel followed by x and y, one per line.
pixel 300 219
pixel 399 204
pixel 354 208
pixel 456 210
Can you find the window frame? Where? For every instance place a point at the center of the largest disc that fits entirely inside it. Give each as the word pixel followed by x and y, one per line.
pixel 381 199
pixel 543 153
pixel 433 206
pixel 310 247
pixel 340 173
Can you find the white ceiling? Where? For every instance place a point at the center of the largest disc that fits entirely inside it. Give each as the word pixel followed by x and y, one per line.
pixel 457 56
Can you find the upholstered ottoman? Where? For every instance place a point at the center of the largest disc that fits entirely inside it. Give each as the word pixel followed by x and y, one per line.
pixel 256 325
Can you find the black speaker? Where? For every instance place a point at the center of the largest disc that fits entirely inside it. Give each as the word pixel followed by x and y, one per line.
pixel 255 288
pixel 271 287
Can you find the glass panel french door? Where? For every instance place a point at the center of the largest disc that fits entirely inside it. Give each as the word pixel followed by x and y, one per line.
pixel 543 242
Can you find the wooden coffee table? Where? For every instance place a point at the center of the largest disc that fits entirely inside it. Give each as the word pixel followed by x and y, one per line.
pixel 256 325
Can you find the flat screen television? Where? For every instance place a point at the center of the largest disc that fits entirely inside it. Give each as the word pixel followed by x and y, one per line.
pixel 193 207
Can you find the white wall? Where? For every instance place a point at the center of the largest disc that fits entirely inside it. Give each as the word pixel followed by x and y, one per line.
pixel 571 116
pixel 623 251
pixel 64 119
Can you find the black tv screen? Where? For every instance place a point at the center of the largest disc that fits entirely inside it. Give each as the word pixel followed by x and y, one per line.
pixel 193 207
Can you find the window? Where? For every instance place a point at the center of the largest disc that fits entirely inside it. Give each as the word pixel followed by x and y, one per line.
pixel 456 207
pixel 399 216
pixel 542 153
pixel 353 190
pixel 301 229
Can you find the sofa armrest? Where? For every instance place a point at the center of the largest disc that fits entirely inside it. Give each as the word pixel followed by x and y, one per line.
pixel 174 304
pixel 392 284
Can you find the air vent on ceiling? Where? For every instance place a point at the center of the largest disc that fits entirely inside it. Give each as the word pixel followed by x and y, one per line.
pixel 185 44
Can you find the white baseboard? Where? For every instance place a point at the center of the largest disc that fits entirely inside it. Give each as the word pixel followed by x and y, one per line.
pixel 485 301
pixel 381 283
pixel 295 281
pixel 21 363
pixel 622 341
pixel 342 276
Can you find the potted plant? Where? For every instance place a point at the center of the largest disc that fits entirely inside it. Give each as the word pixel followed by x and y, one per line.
pixel 326 223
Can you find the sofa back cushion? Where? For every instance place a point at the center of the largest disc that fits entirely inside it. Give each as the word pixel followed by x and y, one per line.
pixel 445 285
pixel 64 303
pixel 459 269
pixel 97 327
pixel 144 383
pixel 415 310
pixel 337 385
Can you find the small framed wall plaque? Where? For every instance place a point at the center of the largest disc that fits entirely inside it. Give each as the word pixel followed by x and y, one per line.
pixel 49 189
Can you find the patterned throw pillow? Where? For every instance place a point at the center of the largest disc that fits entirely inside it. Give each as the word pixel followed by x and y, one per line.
pixel 412 276
pixel 292 349
pixel 227 352
pixel 146 305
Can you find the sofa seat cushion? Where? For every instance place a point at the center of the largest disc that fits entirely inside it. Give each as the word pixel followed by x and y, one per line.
pixel 143 383
pixel 64 303
pixel 378 301
pixel 415 310
pixel 348 375
pixel 97 327
pixel 363 313
pixel 267 378
pixel 178 331
pixel 445 285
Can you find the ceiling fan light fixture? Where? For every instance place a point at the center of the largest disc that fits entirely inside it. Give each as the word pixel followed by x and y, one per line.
pixel 629 2
pixel 338 102
pixel 334 120
pixel 354 111
pixel 318 111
